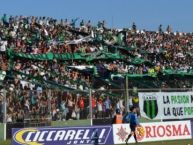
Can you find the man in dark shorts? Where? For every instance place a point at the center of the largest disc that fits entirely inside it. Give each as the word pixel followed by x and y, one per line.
pixel 134 122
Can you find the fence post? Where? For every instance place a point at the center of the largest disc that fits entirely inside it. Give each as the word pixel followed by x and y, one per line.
pixel 4 107
pixel 161 117
pixel 127 93
pixel 90 105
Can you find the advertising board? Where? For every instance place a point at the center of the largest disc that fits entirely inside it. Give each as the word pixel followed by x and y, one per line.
pixel 61 136
pixel 166 105
pixel 157 131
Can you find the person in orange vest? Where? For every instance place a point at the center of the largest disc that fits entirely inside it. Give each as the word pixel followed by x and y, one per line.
pixel 118 119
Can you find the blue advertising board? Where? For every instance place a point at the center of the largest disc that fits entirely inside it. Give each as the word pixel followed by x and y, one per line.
pixel 61 136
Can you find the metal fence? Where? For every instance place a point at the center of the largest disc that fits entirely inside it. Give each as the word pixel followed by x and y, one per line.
pixel 42 106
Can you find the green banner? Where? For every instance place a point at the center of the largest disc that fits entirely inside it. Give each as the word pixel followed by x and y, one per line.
pixel 178 72
pixel 97 56
pixel 67 56
pixel 48 56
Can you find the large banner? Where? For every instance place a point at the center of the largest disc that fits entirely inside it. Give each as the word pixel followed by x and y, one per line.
pixel 63 136
pixel 166 105
pixel 156 131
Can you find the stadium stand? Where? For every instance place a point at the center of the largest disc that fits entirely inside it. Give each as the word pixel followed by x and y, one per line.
pixel 48 66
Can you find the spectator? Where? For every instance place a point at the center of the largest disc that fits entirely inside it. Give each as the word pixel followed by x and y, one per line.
pixel 77 111
pixel 107 104
pixel 82 107
pixel 94 106
pixel 134 27
pixel 160 29
pixel 119 105
pixel 135 102
pixel 63 109
pixel 99 108
pixel 70 105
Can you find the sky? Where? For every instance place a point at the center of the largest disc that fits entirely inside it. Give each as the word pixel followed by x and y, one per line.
pixel 147 14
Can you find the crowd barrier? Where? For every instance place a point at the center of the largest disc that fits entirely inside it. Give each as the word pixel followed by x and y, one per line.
pixel 110 134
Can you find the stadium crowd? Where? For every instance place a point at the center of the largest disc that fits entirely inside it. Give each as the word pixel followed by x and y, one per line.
pixel 27 83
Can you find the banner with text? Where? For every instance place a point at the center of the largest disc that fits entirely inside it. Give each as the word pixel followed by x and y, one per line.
pixel 61 136
pixel 156 131
pixel 166 105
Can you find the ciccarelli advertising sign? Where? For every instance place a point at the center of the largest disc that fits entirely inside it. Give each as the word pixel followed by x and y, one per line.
pixel 166 105
pixel 157 131
pixel 61 136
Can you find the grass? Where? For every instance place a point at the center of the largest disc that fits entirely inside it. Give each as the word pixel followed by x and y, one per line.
pixel 70 123
pixel 86 122
pixel 8 142
pixel 178 142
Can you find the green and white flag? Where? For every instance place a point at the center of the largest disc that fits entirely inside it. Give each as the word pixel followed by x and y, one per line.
pixel 2 75
pixel 77 41
pixel 119 39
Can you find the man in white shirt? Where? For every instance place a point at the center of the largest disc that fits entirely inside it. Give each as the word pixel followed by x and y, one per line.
pixel 3 45
pixel 2 76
